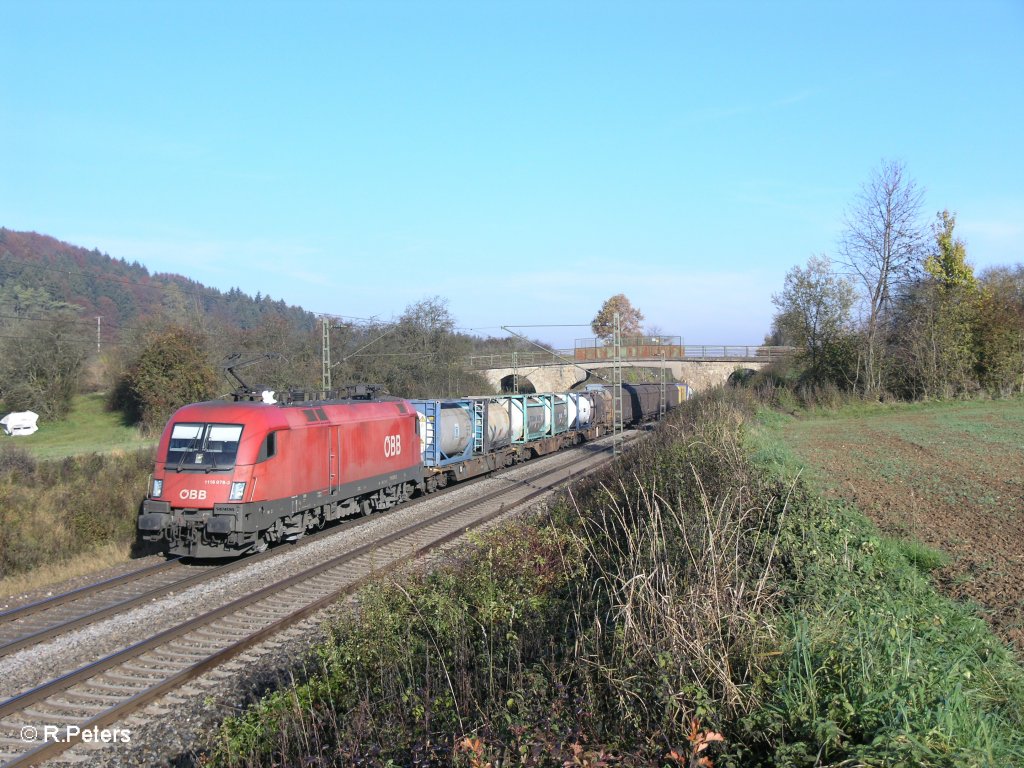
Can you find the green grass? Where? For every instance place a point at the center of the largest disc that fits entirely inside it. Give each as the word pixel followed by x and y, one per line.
pixel 952 452
pixel 89 428
pixel 876 667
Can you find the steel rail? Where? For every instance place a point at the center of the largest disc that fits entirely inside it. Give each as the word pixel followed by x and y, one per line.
pixel 199 577
pixel 23 611
pixel 113 609
pixel 112 714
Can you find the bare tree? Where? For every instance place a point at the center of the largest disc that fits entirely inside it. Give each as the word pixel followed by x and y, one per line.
pixel 882 248
pixel 814 311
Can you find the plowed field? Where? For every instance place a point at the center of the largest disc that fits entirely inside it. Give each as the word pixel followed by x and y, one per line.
pixel 950 475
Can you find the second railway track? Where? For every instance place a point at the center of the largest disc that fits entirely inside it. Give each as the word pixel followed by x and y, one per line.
pixel 102 693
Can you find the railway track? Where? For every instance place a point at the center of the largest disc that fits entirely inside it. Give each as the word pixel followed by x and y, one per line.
pixel 28 625
pixel 31 624
pixel 43 722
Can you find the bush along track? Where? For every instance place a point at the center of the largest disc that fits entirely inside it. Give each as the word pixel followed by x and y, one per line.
pixel 53 509
pixel 689 607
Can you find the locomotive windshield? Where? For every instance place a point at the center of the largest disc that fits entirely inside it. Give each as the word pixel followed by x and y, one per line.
pixel 203 446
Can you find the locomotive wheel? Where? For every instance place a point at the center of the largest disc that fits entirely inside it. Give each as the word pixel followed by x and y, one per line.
pixel 260 545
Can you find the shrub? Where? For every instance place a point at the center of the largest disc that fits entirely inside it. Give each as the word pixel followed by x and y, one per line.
pixel 172 370
pixel 14 461
pixel 51 510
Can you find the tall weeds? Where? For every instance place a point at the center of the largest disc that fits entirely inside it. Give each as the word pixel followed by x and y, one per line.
pixel 51 510
pixel 679 601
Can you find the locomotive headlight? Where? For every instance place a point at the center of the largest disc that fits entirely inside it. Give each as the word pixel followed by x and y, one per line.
pixel 158 488
pixel 237 492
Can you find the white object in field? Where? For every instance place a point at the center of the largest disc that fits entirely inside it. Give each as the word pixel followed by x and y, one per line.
pixel 268 396
pixel 20 423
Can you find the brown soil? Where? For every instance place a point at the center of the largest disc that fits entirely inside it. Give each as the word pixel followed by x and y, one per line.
pixel 918 475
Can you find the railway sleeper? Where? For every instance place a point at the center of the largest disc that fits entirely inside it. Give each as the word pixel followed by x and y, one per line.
pixel 87 705
pixel 184 655
pixel 118 684
pixel 18 742
pixel 156 671
pixel 92 696
pixel 39 716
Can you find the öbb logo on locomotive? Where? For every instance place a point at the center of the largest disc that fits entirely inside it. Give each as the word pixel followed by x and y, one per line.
pixel 235 477
pixel 392 445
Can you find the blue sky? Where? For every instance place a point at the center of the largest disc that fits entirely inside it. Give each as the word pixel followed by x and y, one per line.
pixel 523 160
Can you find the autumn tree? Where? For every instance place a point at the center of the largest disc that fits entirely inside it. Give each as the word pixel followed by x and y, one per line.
pixel 814 314
pixel 999 330
pixel 882 248
pixel 932 340
pixel 947 263
pixel 172 370
pixel 630 318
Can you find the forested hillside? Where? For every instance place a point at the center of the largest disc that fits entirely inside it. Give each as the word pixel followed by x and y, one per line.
pixel 35 268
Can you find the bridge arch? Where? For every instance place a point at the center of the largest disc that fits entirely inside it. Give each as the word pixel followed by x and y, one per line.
pixel 508 384
pixel 740 376
pixel 700 375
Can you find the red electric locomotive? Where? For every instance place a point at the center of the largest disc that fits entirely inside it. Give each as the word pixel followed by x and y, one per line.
pixel 232 478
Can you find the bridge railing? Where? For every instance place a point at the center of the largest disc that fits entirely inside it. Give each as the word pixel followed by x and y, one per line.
pixel 631 352
pixel 521 359
pixel 632 341
pixel 712 351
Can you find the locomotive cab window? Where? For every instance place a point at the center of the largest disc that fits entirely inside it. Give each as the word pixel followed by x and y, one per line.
pixel 268 448
pixel 203 446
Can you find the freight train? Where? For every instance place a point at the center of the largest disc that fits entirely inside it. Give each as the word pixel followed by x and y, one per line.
pixel 235 477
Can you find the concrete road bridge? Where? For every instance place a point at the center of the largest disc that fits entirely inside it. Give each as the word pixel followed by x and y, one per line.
pixel 702 366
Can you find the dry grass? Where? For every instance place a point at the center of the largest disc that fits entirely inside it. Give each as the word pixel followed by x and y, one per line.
pixel 686 587
pixel 53 511
pixel 83 564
